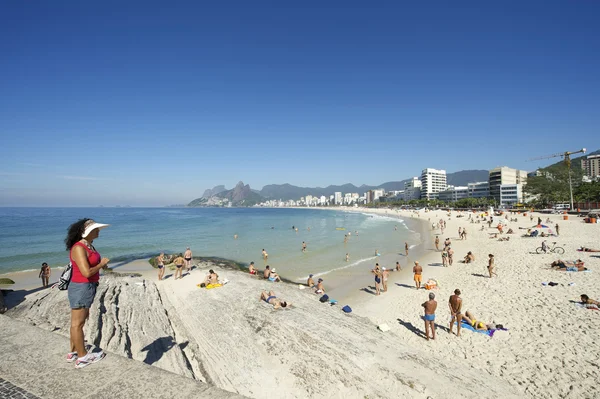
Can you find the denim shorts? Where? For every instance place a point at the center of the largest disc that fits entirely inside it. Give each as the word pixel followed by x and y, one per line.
pixel 81 295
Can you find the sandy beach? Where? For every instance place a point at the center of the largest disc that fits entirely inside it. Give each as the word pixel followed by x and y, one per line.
pixel 228 338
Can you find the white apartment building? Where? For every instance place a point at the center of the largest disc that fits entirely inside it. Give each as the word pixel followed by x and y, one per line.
pixel 591 166
pixel 505 175
pixel 323 200
pixel 338 198
pixel 412 189
pixel 479 189
pixel 511 194
pixel 432 182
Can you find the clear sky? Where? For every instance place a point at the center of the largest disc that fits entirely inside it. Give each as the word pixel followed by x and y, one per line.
pixel 150 103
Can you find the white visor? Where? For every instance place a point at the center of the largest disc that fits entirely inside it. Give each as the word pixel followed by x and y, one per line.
pixel 90 226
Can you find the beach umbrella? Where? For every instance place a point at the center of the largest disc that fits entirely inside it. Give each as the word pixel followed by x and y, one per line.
pixel 540 226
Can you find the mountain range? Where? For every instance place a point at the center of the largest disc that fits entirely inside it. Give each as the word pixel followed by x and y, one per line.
pixel 243 195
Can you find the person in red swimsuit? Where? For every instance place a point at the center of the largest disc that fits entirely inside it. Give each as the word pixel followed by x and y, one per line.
pixel 86 262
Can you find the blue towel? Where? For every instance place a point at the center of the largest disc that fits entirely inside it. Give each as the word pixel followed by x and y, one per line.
pixel 466 326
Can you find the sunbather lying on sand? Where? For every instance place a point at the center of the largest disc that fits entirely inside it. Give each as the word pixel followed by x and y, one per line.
pixel 479 325
pixel 584 249
pixel 571 266
pixel 588 302
pixel 271 299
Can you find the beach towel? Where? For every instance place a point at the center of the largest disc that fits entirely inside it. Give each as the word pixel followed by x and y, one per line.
pixel 590 307
pixel 211 286
pixel 489 333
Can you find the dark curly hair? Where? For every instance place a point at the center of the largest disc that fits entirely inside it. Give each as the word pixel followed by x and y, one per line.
pixel 74 233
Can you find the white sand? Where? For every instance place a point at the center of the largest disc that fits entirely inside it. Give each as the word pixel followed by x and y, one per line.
pixel 551 348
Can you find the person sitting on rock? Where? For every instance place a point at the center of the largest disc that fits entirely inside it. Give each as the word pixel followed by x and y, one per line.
pixel 271 299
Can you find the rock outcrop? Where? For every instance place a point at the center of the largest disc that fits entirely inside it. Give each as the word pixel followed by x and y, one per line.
pixel 214 191
pixel 229 338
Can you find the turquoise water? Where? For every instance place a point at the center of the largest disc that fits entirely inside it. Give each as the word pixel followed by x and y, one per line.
pixel 30 236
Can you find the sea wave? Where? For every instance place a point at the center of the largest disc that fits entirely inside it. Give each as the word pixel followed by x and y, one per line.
pixel 358 262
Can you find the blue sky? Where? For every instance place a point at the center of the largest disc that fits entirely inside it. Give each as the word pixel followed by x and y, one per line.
pixel 150 103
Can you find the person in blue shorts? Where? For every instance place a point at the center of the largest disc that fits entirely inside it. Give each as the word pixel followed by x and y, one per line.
pixel 430 306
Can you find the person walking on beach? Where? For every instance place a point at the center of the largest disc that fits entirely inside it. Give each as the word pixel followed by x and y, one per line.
pixel 437 243
pixel 430 306
pixel 179 262
pixel 450 256
pixel 406 248
pixel 447 243
pixel 45 274
pixel 417 270
pixel 464 235
pixel 160 262
pixel 491 266
pixel 303 246
pixel 444 257
pixel 557 230
pixel 460 232
pixel 188 259
pixel 385 274
pixel 86 263
pixel 377 273
pixel 455 305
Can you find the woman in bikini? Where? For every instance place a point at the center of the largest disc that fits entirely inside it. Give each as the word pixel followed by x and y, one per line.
pixel 271 299
pixel 161 265
pixel 491 266
pixel 378 277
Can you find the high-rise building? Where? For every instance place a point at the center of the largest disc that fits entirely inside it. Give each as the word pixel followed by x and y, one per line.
pixel 412 189
pixel 506 176
pixel 591 166
pixel 432 182
pixel 338 197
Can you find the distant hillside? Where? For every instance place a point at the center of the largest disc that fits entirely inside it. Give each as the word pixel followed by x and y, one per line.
pixel 288 191
pixel 240 195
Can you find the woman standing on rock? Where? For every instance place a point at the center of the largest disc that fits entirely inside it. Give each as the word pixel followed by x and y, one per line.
pixel 86 262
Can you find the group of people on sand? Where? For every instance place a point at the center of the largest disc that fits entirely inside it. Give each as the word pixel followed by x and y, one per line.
pixel 456 316
pixel 180 262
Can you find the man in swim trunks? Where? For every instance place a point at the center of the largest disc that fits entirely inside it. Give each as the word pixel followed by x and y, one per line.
pixel 455 306
pixel 188 259
pixel 271 299
pixel 303 246
pixel 430 307
pixel 267 271
pixel 417 270
pixel 179 261
pixel 251 268
pixel 450 256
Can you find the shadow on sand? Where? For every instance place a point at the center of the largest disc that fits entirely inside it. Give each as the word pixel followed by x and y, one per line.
pixel 159 347
pixel 14 297
pixel 369 291
pixel 405 285
pixel 435 264
pixel 410 327
pixel 479 275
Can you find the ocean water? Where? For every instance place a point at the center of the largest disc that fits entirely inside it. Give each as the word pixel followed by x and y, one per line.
pixel 30 236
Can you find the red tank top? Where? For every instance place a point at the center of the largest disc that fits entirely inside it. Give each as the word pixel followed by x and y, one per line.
pixel 93 258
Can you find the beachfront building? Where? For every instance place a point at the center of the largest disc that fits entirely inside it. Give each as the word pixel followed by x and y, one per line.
pixel 412 189
pixel 323 200
pixel 433 181
pixel 453 194
pixel 479 189
pixel 338 198
pixel 505 176
pixel 511 194
pixel 591 167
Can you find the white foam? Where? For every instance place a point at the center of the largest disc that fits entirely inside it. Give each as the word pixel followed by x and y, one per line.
pixel 358 262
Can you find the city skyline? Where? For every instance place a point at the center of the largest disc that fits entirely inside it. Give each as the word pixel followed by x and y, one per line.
pixel 149 105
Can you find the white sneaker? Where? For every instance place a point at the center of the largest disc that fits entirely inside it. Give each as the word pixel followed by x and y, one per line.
pixel 91 357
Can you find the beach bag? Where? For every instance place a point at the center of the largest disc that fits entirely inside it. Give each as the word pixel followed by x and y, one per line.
pixel 65 277
pixel 347 309
pixel 324 298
